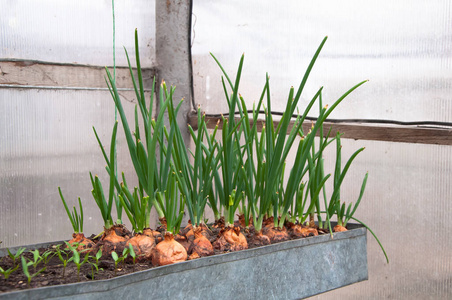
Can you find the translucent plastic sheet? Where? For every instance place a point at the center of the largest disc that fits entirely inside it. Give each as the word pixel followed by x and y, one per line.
pixel 407 204
pixel 46 136
pixel 76 31
pixel 404 49
pixel 46 141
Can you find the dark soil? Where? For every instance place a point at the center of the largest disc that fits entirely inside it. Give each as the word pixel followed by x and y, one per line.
pixel 53 274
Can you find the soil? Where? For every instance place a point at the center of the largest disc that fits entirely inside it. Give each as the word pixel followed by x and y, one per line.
pixel 53 274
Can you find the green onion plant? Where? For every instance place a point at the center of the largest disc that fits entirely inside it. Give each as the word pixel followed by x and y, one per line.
pixel 271 151
pixel 142 149
pixel 228 186
pixel 105 205
pixel 172 204
pixel 255 167
pixel 335 206
pixel 195 175
pixel 119 192
pixel 75 218
pixel 240 169
pixel 136 207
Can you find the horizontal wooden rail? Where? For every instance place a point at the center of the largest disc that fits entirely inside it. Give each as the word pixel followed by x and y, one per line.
pixel 37 74
pixel 362 131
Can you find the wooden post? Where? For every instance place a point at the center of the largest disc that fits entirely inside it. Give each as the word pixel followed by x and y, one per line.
pixel 173 53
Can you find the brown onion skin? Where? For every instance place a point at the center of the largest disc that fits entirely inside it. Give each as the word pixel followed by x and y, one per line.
pixel 142 245
pixel 299 231
pixel 168 251
pixel 231 239
pixel 258 239
pixel 110 242
pixel 276 234
pixel 339 228
pixel 201 245
pixel 83 242
pixel 157 235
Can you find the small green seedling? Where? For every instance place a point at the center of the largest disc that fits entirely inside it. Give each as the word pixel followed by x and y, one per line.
pixel 97 256
pixel 8 272
pixel 63 255
pixel 47 256
pixel 95 265
pixel 36 258
pixel 125 253
pixel 119 259
pixel 25 266
pixel 115 257
pixel 15 256
pixel 132 254
pixel 76 257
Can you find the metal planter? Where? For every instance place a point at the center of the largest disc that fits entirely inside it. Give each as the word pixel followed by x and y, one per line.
pixel 289 270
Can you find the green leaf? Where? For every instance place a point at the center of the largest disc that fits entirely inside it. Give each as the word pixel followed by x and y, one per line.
pixel 99 254
pixel 25 266
pixel 114 255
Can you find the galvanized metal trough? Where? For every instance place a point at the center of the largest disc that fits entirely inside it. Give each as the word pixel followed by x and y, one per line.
pixel 289 270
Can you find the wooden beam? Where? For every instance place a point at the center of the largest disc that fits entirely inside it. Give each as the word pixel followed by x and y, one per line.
pixel 29 74
pixel 387 133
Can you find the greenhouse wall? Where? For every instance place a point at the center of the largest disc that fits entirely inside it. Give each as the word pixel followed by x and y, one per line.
pixel 403 48
pixel 49 102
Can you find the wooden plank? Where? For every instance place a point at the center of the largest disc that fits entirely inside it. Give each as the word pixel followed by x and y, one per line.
pixel 401 134
pixel 360 131
pixel 29 73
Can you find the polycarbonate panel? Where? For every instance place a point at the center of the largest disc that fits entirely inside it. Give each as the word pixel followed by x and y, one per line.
pixel 76 31
pixel 403 48
pixel 46 141
pixel 407 203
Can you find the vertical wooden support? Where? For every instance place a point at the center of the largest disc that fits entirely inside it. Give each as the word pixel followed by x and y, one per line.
pixel 173 53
